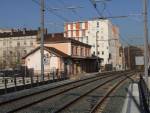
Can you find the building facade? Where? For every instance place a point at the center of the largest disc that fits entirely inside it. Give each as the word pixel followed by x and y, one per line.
pixel 14 45
pixel 79 58
pixel 102 35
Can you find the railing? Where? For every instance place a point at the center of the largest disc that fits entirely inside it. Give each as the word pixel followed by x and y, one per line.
pixel 15 81
pixel 144 96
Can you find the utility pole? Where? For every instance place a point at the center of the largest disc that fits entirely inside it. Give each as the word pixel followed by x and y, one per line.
pixel 42 40
pixel 145 39
pixel 129 63
pixel 97 33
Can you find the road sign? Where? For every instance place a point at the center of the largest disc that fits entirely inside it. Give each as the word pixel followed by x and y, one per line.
pixel 45 61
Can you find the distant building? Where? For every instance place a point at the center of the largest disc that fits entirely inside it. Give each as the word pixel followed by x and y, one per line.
pixel 131 52
pixel 102 35
pixel 14 45
pixel 5 30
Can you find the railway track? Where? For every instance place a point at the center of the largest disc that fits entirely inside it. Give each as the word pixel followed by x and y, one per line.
pixel 59 98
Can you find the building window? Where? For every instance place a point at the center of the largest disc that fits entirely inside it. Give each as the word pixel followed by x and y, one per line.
pixel 82 52
pixel 10 42
pixel 4 53
pixel 10 52
pixel 87 40
pixel 4 43
pixel 25 51
pixel 83 33
pixel 18 44
pixel 76 50
pixel 25 43
pixel 102 52
pixel 97 24
pixel 120 54
pixel 80 25
pixel 110 56
pixel 31 43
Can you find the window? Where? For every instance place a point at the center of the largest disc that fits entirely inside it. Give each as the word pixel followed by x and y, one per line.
pixel 25 51
pixel 82 52
pixel 10 42
pixel 93 45
pixel 80 25
pixel 93 52
pixel 10 52
pixel 4 43
pixel 76 50
pixel 4 53
pixel 83 33
pixel 120 55
pixel 110 56
pixel 87 40
pixel 97 24
pixel 25 43
pixel 31 43
pixel 71 50
pixel 18 44
pixel 102 52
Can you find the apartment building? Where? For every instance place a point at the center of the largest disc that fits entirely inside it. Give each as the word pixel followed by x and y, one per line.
pixel 2 30
pixel 102 35
pixel 14 45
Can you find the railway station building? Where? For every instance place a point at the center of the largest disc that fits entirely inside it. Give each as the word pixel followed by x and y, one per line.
pixel 64 55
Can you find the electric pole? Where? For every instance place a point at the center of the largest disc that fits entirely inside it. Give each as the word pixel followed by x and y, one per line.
pixel 42 40
pixel 145 40
pixel 129 63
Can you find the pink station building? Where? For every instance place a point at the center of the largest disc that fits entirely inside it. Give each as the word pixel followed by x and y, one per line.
pixel 62 55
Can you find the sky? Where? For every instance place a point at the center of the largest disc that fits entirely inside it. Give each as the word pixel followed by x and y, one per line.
pixel 26 13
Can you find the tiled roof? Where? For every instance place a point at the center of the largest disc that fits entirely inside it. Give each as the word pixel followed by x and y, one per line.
pixel 49 49
pixel 59 38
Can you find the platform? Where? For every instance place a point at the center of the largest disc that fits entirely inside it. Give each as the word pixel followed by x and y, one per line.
pixel 132 101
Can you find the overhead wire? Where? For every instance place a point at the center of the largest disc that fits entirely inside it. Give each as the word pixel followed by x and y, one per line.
pixel 94 6
pixel 73 10
pixel 52 11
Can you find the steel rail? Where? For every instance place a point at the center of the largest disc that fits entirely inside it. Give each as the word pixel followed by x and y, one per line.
pixel 65 84
pixel 74 86
pixel 101 101
pixel 83 95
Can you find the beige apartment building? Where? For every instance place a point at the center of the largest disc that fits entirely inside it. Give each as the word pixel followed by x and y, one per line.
pixel 14 45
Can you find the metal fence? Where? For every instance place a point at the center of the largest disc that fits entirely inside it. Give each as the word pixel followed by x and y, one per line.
pixel 18 81
pixel 144 96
